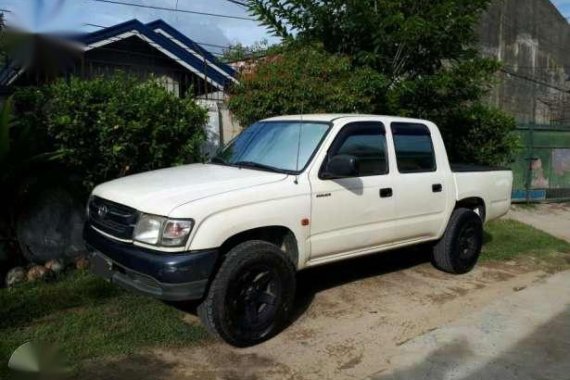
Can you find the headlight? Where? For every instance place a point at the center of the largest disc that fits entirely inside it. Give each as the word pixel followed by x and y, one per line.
pixel 157 230
pixel 176 232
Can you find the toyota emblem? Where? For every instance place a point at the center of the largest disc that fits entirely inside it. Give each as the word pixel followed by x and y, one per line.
pixel 102 211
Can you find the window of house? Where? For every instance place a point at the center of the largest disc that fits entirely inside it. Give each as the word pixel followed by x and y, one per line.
pixel 414 148
pixel 365 141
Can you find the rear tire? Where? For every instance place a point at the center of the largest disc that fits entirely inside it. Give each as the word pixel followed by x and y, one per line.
pixel 460 247
pixel 250 299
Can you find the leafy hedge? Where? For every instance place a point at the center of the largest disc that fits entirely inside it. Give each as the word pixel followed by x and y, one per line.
pixel 106 128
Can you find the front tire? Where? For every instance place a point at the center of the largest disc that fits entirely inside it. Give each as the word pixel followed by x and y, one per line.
pixel 460 247
pixel 250 298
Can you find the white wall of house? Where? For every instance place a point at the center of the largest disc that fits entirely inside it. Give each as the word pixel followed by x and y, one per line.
pixel 213 127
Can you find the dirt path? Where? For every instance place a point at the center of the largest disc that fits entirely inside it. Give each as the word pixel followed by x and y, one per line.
pixel 524 336
pixel 353 317
pixel 551 218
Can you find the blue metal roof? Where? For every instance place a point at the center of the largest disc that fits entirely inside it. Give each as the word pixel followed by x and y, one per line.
pixel 160 24
pixel 179 48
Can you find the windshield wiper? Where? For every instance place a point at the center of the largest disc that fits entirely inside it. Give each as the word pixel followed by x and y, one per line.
pixel 219 160
pixel 257 165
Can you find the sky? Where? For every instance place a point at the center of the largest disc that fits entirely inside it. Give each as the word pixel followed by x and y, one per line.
pixel 563 6
pixel 72 15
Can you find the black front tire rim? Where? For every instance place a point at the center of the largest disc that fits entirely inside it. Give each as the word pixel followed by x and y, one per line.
pixel 253 301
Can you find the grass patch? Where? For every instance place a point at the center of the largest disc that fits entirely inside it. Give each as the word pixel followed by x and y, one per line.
pixel 508 239
pixel 85 317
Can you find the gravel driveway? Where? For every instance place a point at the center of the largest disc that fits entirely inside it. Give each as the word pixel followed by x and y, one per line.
pixel 353 319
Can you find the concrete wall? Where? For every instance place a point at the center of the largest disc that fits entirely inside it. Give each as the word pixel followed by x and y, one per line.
pixel 532 39
pixel 230 126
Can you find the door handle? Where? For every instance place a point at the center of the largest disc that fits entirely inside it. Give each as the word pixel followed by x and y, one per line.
pixel 437 188
pixel 386 193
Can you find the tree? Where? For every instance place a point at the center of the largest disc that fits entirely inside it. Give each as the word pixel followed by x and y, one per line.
pixel 305 80
pixel 425 49
pixel 240 52
pixel 396 37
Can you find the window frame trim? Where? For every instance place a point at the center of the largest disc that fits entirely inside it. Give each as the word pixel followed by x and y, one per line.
pixel 383 129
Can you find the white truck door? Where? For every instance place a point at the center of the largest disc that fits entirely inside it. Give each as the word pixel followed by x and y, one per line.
pixel 352 214
pixel 421 183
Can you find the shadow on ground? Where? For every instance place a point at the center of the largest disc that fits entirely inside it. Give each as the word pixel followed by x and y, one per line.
pixel 314 280
pixel 541 355
pixel 132 367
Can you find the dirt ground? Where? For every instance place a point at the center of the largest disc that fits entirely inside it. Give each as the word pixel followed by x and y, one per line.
pixel 351 319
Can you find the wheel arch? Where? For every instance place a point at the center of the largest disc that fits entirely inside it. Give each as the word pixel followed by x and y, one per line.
pixel 280 236
pixel 476 204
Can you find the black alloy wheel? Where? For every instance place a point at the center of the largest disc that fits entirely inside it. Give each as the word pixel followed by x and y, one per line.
pixel 251 297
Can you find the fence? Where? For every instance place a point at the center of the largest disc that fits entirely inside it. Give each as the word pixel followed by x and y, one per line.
pixel 542 168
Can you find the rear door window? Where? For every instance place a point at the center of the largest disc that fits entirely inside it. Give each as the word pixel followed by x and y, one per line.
pixel 414 148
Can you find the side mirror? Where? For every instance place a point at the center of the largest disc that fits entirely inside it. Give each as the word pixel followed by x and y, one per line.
pixel 341 166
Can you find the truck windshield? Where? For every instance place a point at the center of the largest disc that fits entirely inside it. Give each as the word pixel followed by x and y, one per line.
pixel 282 146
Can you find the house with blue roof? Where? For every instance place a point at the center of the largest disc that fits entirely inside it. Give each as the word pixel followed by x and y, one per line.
pixel 155 49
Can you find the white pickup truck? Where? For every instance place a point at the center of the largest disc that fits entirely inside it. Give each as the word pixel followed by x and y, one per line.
pixel 289 193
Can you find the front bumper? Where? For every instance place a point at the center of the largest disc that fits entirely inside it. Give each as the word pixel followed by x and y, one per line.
pixel 170 277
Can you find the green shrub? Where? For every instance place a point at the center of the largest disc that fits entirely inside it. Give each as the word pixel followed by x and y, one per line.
pixel 482 134
pixel 110 127
pixel 305 79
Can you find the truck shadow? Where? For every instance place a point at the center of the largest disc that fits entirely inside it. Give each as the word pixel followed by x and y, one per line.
pixel 315 280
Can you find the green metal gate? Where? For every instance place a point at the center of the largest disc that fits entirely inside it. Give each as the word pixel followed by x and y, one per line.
pixel 542 168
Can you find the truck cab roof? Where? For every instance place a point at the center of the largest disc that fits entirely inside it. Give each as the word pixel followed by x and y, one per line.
pixel 330 117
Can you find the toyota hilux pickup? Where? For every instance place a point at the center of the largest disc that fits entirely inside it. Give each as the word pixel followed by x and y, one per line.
pixel 289 193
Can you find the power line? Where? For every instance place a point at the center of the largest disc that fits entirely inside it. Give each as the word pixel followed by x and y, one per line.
pixel 240 3
pixel 95 25
pixel 514 65
pixel 530 79
pixel 175 10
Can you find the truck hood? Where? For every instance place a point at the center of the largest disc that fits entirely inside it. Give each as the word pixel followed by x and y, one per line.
pixel 161 191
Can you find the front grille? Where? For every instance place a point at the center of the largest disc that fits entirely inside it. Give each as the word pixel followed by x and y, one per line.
pixel 112 218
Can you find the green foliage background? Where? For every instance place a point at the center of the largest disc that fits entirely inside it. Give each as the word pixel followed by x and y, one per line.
pixel 110 127
pixel 398 57
pixel 305 80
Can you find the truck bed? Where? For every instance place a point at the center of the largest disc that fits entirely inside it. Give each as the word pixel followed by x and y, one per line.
pixel 494 185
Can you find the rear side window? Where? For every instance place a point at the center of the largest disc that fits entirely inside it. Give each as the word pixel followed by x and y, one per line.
pixel 367 142
pixel 414 148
